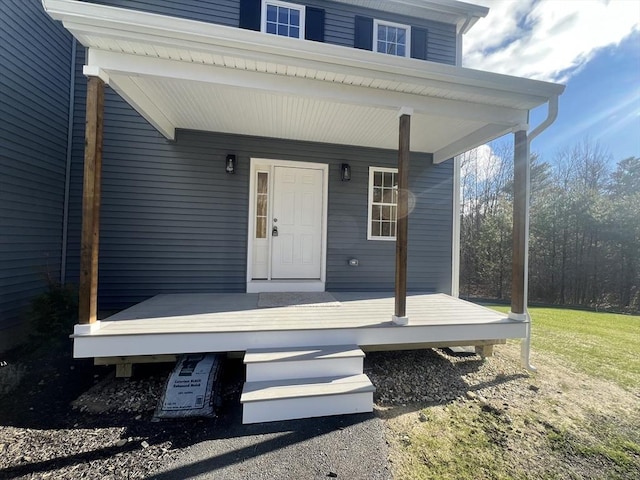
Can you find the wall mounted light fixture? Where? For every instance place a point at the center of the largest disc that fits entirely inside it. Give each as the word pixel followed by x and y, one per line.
pixel 231 164
pixel 345 172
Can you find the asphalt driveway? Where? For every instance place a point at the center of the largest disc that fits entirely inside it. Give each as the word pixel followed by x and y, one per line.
pixel 349 447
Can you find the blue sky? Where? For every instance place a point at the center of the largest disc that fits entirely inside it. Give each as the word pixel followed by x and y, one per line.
pixel 592 46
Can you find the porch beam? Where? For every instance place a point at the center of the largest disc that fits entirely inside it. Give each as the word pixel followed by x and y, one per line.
pixel 402 224
pixel 88 289
pixel 145 106
pixel 474 139
pixel 520 224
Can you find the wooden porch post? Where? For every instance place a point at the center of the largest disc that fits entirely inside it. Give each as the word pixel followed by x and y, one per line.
pixel 520 223
pixel 400 315
pixel 88 290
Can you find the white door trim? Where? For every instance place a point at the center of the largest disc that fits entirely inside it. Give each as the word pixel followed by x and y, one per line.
pixel 257 286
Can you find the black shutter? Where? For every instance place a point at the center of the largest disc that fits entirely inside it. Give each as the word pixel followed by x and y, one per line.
pixel 314 24
pixel 418 43
pixel 363 33
pixel 250 14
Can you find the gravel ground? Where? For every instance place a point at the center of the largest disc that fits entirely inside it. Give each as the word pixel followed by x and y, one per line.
pixel 69 419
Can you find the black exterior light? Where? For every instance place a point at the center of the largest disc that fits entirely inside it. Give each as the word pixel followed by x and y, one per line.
pixel 231 164
pixel 345 172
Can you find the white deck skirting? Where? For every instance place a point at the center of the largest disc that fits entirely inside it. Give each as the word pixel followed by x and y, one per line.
pixel 189 323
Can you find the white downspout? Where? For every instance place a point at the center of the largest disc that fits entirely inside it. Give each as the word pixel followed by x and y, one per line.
pixel 455 229
pixel 552 114
pixel 525 344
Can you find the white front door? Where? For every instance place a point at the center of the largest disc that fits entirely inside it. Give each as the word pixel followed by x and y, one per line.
pixel 296 223
pixel 287 226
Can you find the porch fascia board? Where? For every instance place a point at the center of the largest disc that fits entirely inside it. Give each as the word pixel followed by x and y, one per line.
pixel 86 20
pixel 104 345
pixel 120 66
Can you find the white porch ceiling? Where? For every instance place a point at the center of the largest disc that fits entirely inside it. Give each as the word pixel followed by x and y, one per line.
pixel 184 74
pixel 222 108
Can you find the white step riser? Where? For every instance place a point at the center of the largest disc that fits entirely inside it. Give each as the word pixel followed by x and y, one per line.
pixel 306 407
pixel 328 367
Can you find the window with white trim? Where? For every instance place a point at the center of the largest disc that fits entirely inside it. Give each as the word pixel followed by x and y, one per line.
pixel 391 38
pixel 383 203
pixel 283 18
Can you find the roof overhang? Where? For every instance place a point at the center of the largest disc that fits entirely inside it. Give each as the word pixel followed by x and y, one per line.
pixel 185 74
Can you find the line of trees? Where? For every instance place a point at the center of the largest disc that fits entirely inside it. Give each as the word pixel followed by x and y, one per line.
pixel 584 245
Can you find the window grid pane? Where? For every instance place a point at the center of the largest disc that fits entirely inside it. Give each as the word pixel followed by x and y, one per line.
pixel 294 18
pixel 262 198
pixel 272 13
pixel 283 21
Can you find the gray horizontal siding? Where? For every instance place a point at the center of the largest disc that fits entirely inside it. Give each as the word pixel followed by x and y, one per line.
pixel 429 246
pixel 173 221
pixel 35 60
pixel 339 20
pixel 223 12
pixel 339 28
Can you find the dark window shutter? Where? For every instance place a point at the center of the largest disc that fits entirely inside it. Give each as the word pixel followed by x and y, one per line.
pixel 314 24
pixel 418 43
pixel 363 33
pixel 250 14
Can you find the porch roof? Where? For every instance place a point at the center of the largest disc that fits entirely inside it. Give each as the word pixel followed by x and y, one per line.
pixel 186 74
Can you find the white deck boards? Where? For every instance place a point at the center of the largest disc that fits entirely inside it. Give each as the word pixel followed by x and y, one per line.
pixel 305 387
pixel 187 323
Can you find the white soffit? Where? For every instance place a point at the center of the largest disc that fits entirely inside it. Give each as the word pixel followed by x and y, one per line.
pixel 181 73
pixel 232 109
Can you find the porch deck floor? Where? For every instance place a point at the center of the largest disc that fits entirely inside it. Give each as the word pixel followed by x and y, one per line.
pixel 183 323
pixel 201 312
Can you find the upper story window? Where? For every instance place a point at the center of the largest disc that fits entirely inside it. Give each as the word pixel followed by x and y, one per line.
pixel 391 38
pixel 283 18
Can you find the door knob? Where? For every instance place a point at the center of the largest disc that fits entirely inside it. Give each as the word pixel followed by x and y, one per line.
pixel 274 231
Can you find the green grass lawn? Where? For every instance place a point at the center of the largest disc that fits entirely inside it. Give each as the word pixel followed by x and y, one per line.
pixel 604 345
pixel 554 433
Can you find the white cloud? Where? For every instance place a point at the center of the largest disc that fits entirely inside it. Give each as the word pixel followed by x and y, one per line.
pixel 546 39
pixel 481 163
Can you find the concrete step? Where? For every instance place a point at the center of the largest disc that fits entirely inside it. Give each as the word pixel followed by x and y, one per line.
pixel 267 401
pixel 305 362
